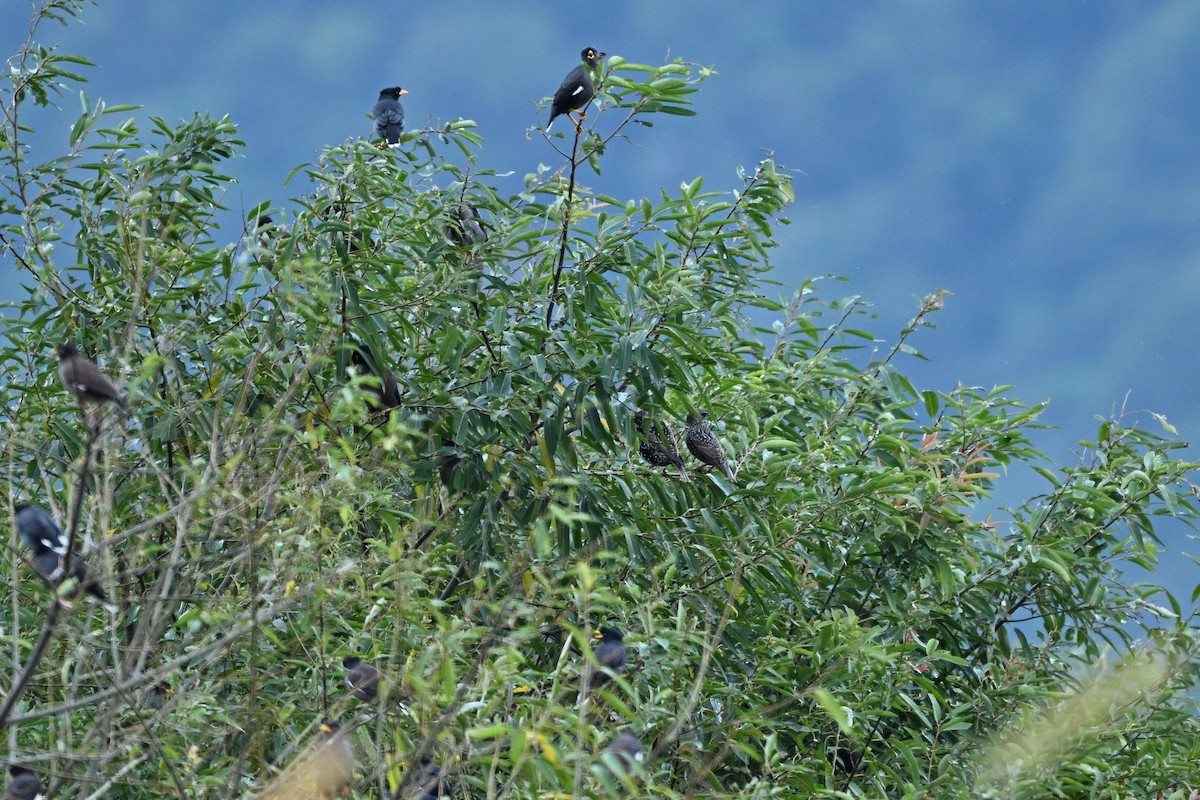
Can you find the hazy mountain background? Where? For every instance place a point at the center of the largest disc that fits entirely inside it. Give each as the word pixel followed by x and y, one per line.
pixel 1037 159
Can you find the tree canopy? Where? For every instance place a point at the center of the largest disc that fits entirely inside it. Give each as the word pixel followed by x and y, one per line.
pixel 849 615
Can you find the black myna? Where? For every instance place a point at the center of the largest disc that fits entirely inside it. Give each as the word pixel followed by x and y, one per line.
pixel 47 546
pixel 23 783
pixel 463 228
pixel 387 393
pixel 610 656
pixel 657 445
pixel 704 445
pixel 627 750
pixel 389 115
pixel 430 782
pixel 363 679
pixel 154 697
pixel 577 89
pixel 84 379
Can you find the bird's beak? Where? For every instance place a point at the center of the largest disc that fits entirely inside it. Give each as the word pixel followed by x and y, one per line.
pixel 597 635
pixel 325 728
pixel 404 91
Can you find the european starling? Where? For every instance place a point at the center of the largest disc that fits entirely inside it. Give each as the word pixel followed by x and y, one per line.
pixel 463 229
pixel 387 394
pixel 610 655
pixel 363 679
pixel 84 379
pixel 658 445
pixel 23 783
pixel 704 445
pixel 430 782
pixel 627 749
pixel 577 89
pixel 47 546
pixel 389 115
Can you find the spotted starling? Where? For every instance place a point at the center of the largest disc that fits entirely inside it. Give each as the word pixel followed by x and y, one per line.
pixel 430 782
pixel 47 546
pixel 577 89
pixel 610 656
pixel 658 445
pixel 363 679
pixel 84 379
pixel 387 393
pixel 463 228
pixel 627 749
pixel 704 445
pixel 23 783
pixel 389 115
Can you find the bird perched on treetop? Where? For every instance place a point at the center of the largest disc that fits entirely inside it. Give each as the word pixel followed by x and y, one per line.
pixel 84 379
pixel 658 445
pixel 363 679
pixel 48 545
pixel 610 655
pixel 577 89
pixel 389 114
pixel 23 783
pixel 704 445
pixel 627 749
pixel 430 782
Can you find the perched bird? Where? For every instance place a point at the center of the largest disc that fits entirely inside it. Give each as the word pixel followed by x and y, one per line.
pixel 47 546
pixel 610 656
pixel 363 679
pixel 577 89
pixel 387 394
pixel 23 783
pixel 389 115
pixel 324 770
pixel 704 445
pixel 463 228
pixel 84 379
pixel 154 697
pixel 627 749
pixel 430 782
pixel 658 445
pixel 334 760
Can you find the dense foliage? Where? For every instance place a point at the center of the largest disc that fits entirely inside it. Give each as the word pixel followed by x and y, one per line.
pixel 849 617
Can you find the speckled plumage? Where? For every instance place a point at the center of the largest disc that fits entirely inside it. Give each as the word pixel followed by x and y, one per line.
pixel 703 444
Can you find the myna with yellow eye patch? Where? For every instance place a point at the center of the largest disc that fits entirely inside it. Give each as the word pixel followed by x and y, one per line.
pixel 84 379
pixel 610 658
pixel 389 115
pixel 577 89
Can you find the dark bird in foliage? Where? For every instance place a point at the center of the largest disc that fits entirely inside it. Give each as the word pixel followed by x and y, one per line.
pixel 704 445
pixel 389 115
pixel 362 678
pixel 156 695
pixel 463 228
pixel 47 546
pixel 610 657
pixel 84 379
pixel 628 750
pixel 387 393
pixel 577 89
pixel 23 783
pixel 658 445
pixel 430 782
